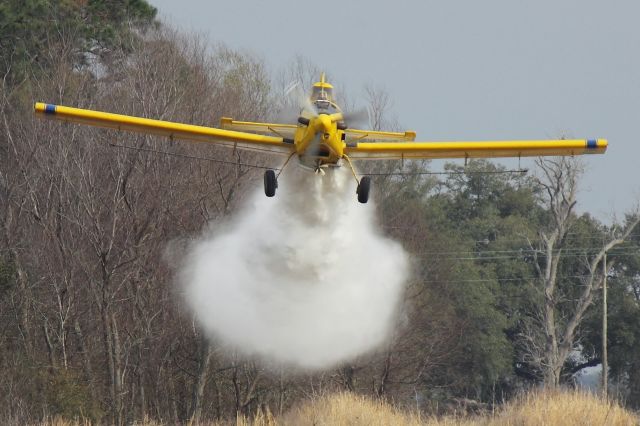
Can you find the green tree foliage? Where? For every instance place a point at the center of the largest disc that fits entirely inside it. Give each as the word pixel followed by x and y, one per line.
pixel 453 227
pixel 478 226
pixel 493 211
pixel 31 29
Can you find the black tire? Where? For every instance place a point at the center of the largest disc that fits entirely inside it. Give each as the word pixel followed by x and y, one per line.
pixel 363 189
pixel 270 183
pixel 304 121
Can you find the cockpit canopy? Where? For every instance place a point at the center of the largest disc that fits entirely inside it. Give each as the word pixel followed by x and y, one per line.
pixel 322 97
pixel 322 94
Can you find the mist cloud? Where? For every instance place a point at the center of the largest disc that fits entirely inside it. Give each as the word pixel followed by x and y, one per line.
pixel 303 278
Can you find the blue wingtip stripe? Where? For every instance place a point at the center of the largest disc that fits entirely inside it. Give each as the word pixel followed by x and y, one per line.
pixel 50 109
pixel 592 144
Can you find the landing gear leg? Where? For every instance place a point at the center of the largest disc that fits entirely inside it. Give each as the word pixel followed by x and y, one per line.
pixel 364 184
pixel 285 163
pixel 271 179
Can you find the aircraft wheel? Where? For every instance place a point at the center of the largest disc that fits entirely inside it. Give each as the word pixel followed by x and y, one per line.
pixel 270 183
pixel 363 189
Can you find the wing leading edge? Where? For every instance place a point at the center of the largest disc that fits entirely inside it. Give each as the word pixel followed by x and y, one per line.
pixel 169 129
pixel 476 149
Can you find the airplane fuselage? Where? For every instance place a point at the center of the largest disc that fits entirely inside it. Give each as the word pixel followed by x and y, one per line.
pixel 320 142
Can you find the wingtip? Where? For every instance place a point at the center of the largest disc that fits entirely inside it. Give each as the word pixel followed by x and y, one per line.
pixel 43 108
pixel 596 146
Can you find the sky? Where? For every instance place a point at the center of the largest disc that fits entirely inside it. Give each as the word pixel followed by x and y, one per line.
pixel 465 69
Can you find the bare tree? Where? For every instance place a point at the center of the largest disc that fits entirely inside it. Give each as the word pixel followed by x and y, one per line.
pixel 549 350
pixel 380 105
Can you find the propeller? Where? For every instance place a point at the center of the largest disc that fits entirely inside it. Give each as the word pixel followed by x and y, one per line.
pixel 356 119
pixel 297 96
pixel 297 104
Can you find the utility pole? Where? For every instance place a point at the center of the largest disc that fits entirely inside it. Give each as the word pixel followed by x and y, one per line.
pixel 605 363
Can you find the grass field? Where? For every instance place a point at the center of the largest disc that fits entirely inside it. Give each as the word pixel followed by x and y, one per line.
pixel 537 408
pixel 566 408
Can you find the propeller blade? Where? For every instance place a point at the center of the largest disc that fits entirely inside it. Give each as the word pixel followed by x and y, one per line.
pixel 357 119
pixel 299 98
pixel 338 116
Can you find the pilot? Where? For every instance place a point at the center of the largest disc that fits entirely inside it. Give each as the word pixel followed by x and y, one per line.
pixel 322 96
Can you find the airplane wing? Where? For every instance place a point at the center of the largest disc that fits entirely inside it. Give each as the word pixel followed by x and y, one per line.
pixel 282 130
pixel 474 149
pixel 230 138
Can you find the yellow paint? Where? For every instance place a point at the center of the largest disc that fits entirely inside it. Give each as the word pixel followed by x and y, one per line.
pixel 323 83
pixel 477 149
pixel 321 142
pixel 156 127
pixel 372 135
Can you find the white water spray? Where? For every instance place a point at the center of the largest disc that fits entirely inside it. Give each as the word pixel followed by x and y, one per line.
pixel 302 278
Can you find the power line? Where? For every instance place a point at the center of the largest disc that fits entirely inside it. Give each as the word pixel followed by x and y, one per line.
pixel 630 252
pixel 486 241
pixel 498 279
pixel 191 157
pixel 568 250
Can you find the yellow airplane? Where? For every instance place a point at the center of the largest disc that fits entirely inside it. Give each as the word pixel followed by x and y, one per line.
pixel 322 138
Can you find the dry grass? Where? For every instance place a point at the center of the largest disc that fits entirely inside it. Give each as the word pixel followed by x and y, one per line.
pixel 56 421
pixel 348 409
pixel 563 408
pixel 536 408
